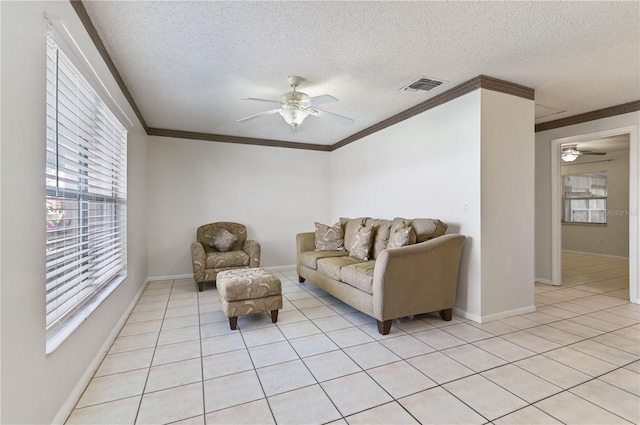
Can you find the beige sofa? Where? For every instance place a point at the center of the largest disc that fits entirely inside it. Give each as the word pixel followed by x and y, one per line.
pixel 421 277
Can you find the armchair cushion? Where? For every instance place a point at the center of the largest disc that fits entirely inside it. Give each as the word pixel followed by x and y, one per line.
pixel 223 240
pixel 218 260
pixel 207 231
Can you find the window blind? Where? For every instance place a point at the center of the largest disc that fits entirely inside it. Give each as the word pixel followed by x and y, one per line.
pixel 86 163
pixel 585 197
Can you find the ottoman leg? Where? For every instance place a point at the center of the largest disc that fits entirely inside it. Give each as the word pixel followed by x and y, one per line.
pixel 200 286
pixel 274 316
pixel 233 322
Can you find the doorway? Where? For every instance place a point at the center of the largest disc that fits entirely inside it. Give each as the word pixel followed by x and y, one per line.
pixel 627 134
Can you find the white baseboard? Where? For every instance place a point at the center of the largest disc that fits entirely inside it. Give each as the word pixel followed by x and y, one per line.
pixel 171 277
pixel 190 275
pixel 78 390
pixel 545 281
pixel 593 253
pixel 495 316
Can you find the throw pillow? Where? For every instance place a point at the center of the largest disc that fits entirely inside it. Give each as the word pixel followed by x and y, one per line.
pixel 329 238
pixel 401 234
pixel 361 243
pixel 223 240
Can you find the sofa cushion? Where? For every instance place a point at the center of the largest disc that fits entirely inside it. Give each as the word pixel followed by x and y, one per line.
pixel 361 243
pixel 427 228
pixel 310 258
pixel 401 234
pixel 216 260
pixel 330 267
pixel 381 229
pixel 329 238
pixel 359 276
pixel 350 225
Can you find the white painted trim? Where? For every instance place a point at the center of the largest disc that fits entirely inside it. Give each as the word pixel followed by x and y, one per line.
pixel 172 277
pixel 280 267
pixel 76 393
pixel 594 254
pixel 495 316
pixel 544 281
pixel 190 275
pixel 634 206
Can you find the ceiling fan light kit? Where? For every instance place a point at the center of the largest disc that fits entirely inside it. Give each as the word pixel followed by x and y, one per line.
pixel 571 152
pixel 295 106
pixel 569 155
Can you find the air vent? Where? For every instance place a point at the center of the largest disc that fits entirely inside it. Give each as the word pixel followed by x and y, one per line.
pixel 422 84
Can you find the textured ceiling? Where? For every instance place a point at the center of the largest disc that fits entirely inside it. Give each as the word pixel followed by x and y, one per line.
pixel 188 64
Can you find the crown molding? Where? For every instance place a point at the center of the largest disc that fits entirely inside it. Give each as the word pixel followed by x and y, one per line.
pixel 162 132
pixel 479 82
pixel 611 111
pixel 482 81
pixel 97 41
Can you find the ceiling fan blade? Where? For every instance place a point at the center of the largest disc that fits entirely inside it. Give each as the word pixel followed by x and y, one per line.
pixel 335 117
pixel 592 153
pixel 251 117
pixel 318 100
pixel 260 100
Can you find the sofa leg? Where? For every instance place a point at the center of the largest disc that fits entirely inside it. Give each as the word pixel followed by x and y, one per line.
pixel 300 279
pixel 274 316
pixel 446 314
pixel 384 327
pixel 200 286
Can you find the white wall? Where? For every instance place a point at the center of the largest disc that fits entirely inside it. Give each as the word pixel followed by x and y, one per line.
pixel 35 387
pixel 275 192
pixel 434 163
pixel 612 239
pixel 507 205
pixel 543 240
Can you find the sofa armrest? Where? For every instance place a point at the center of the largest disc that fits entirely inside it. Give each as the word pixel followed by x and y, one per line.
pixel 417 278
pixel 198 257
pixel 305 242
pixel 252 249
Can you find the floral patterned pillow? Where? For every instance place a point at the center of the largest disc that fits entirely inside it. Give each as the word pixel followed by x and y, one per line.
pixel 400 235
pixel 361 242
pixel 329 238
pixel 223 240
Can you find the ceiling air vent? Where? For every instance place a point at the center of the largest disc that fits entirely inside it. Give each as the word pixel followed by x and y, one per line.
pixel 422 84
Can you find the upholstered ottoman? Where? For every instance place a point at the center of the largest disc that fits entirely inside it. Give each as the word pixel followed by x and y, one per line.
pixel 248 291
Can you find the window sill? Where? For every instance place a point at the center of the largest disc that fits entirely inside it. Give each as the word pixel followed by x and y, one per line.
pixel 57 336
pixel 567 223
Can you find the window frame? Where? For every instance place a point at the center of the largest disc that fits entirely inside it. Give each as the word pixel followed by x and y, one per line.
pixel 594 175
pixel 85 172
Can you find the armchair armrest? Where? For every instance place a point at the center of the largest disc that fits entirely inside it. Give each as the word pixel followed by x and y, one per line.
pixel 417 278
pixel 198 257
pixel 252 249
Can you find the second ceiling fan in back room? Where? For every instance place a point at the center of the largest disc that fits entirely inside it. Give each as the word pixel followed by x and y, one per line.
pixel 571 152
pixel 295 106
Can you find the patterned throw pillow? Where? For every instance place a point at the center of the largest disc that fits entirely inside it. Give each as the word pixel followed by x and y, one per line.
pixel 361 243
pixel 223 240
pixel 400 235
pixel 329 238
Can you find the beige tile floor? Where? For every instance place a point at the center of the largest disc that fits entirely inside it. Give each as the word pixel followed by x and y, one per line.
pixel 575 360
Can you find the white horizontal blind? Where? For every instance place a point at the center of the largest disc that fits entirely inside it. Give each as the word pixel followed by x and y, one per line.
pixel 86 191
pixel 585 197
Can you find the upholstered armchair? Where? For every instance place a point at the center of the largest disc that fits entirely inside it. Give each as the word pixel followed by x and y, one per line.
pixel 222 246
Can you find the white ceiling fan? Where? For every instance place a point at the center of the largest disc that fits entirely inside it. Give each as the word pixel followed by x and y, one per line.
pixel 295 106
pixel 570 153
